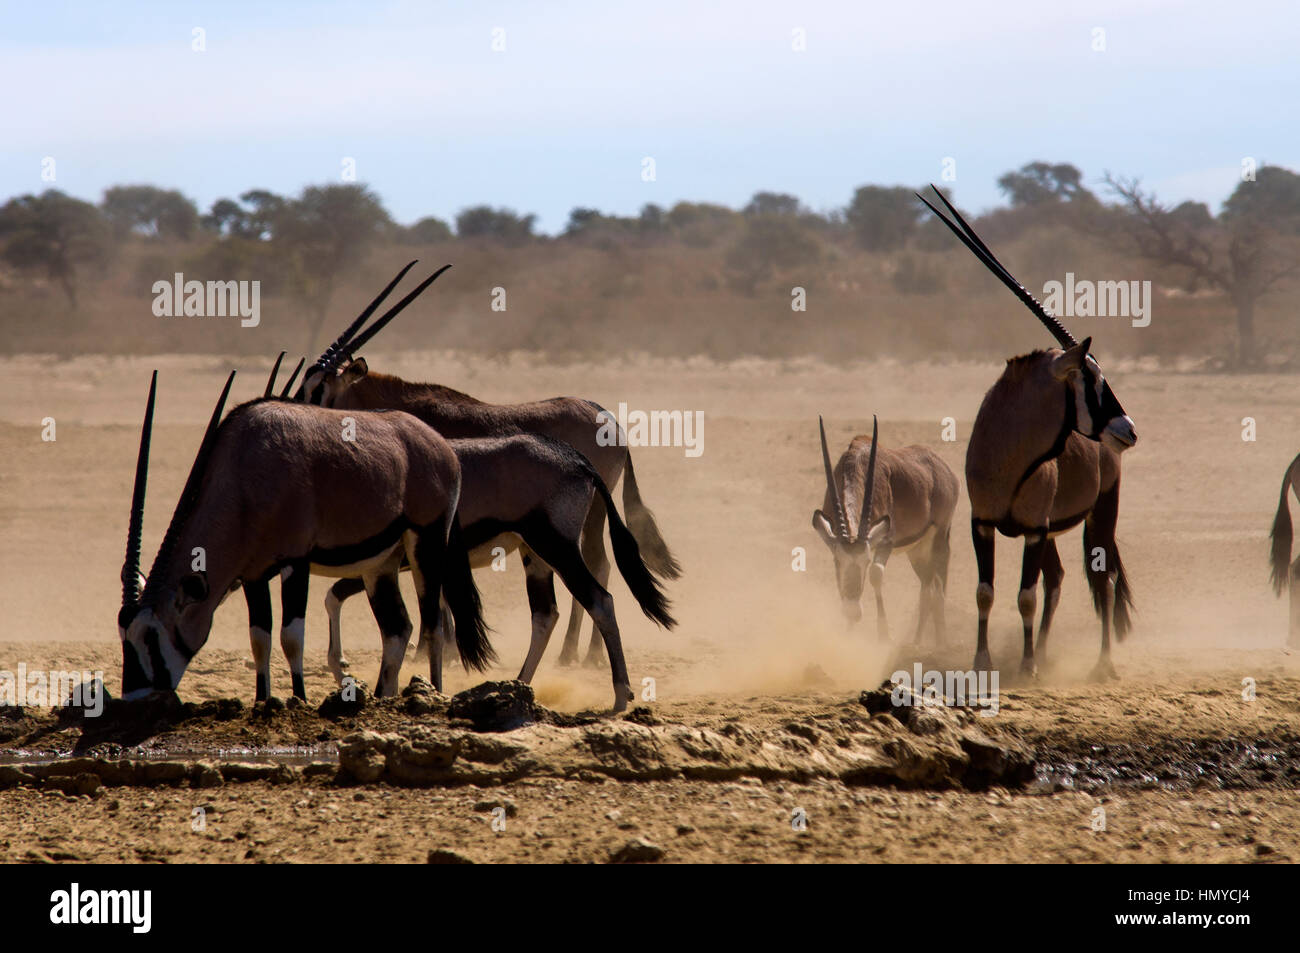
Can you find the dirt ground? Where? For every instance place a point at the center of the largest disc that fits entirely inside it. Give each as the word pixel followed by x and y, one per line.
pixel 1206 677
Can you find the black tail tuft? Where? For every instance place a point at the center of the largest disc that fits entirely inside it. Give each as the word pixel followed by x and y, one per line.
pixel 1280 536
pixel 1123 610
pixel 643 527
pixel 462 597
pixel 627 554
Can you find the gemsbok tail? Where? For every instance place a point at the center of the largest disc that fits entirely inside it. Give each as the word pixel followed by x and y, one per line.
pixel 644 528
pixel 1280 536
pixel 627 553
pixel 462 597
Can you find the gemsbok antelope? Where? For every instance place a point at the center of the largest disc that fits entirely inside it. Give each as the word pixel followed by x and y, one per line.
pixel 1286 574
pixel 1043 457
pixel 532 493
pixel 910 510
pixel 338 380
pixel 276 486
pixel 293 588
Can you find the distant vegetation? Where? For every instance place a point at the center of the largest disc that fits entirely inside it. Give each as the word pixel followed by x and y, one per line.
pixel 880 275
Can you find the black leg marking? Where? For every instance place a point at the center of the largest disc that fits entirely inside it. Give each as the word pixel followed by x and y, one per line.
pixel 293 619
pixel 258 596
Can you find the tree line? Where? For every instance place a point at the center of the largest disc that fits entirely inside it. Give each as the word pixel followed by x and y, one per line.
pixel 306 241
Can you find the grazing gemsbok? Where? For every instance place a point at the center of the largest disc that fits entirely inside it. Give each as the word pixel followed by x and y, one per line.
pixel 277 485
pixel 1286 574
pixel 293 586
pixel 338 380
pixel 532 493
pixel 886 500
pixel 1044 456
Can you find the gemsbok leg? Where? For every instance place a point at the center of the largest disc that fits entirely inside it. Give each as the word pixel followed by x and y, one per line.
pixel 339 593
pixel 1027 599
pixel 258 596
pixel 293 615
pixel 554 548
pixel 1053 576
pixel 982 537
pixel 541 603
pixel 593 553
pixel 394 628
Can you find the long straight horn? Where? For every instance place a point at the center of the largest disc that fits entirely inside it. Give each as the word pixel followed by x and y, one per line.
pixel 190 492
pixel 984 254
pixel 334 349
pixel 293 377
pixel 355 345
pixel 270 384
pixel 131 566
pixel 842 527
pixel 864 523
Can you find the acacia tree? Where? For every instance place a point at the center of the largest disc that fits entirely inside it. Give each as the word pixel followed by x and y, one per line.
pixel 323 233
pixel 150 211
pixel 1245 253
pixel 53 234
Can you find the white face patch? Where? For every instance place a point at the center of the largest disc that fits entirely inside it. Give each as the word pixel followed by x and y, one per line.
pixel 1082 417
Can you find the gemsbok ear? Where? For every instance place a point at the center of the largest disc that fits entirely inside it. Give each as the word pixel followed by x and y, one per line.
pixel 193 588
pixel 355 370
pixel 823 527
pixel 880 532
pixel 1071 360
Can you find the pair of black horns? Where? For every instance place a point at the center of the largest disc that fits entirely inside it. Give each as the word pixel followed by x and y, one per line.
pixel 131 595
pixel 270 383
pixel 350 341
pixel 961 228
pixel 864 521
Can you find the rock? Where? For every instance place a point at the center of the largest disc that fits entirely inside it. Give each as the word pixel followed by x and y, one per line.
pixel 642 715
pixel 1263 850
pixel 363 756
pixel 495 706
pixel 421 755
pixel 346 701
pixel 161 772
pixel 207 776
pixel 443 855
pixel 421 697
pixel 252 771
pixel 491 805
pixel 637 851
pixel 11 777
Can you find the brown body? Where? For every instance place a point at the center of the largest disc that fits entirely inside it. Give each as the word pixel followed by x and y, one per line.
pixel 286 487
pixel 1044 456
pixel 911 502
pixel 571 420
pixel 533 493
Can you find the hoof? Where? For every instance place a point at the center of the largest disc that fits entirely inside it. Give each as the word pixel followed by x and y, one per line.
pixel 983 662
pixel 1029 669
pixel 568 659
pixel 1104 671
pixel 595 661
pixel 622 695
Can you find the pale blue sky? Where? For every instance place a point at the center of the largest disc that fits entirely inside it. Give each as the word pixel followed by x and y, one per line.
pixel 436 120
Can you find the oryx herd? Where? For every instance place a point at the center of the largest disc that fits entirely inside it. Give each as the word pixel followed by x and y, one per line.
pixel 359 476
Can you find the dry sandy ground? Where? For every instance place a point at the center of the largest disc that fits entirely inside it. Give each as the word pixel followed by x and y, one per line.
pixel 757 640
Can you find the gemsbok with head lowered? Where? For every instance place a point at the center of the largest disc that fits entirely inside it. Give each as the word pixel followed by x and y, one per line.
pixel 277 486
pixel 885 500
pixel 1043 457
pixel 1286 574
